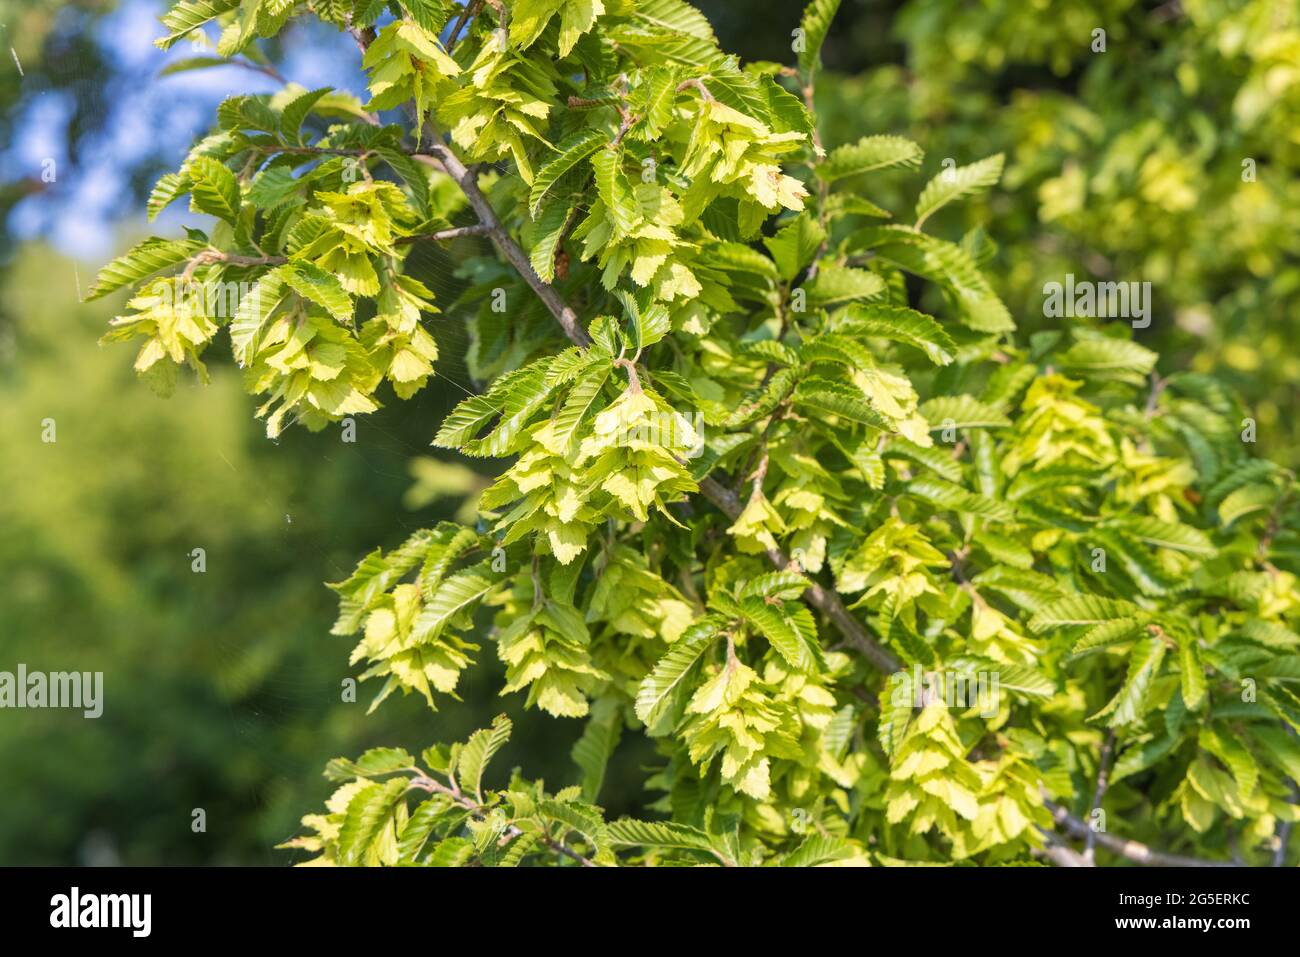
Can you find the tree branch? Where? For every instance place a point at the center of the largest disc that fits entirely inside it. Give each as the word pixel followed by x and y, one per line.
pixel 426 783
pixel 1129 850
pixel 467 179
pixel 442 235
pixel 1103 769
pixel 824 601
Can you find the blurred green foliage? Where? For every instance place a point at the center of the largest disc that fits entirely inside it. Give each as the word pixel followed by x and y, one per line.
pixel 1169 157
pixel 221 691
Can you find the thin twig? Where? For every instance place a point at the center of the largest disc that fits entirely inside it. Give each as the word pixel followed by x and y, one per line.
pixel 467 180
pixel 1103 770
pixel 467 11
pixel 1133 851
pixel 426 783
pixel 478 229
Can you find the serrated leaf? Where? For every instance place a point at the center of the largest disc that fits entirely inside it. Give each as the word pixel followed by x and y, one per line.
pixel 367 814
pixel 655 694
pixel 569 153
pixel 1130 701
pixel 592 751
pixel 1080 610
pixel 478 751
pixel 374 763
pixel 955 183
pixel 145 258
pixel 794 245
pixel 816 23
pixel 578 403
pixel 778 624
pixel 214 189
pixel 900 324
pixel 254 311
pixel 615 190
pixel 962 412
pixel 845 401
pixel 867 154
pixel 839 284
pixel 454 595
pixel 187 15
pixel 311 282
pixel 296 111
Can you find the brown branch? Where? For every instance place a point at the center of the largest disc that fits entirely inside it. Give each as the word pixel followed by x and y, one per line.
pixel 442 235
pixel 466 178
pixel 426 783
pixel 1103 770
pixel 470 8
pixel 696 82
pixel 1129 850
pixel 827 602
pixel 1060 853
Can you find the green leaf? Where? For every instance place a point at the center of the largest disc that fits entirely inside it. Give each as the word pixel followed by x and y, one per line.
pixel 374 763
pixel 946 495
pixel 900 324
pixel 784 585
pixel 169 188
pixel 272 187
pixel 955 183
pixel 962 412
pixel 254 312
pixel 942 262
pixel 1080 610
pixel 452 852
pixel 655 696
pixel 1108 633
pixel 820 849
pixel 848 402
pixel 615 190
pixel 578 404
pixel 795 244
pixel 793 640
pixel 1246 501
pixel 367 814
pixel 592 751
pixel 569 153
pixel 649 324
pixel 295 112
pixel 420 825
pixel 215 190
pixel 311 282
pixel 1130 701
pixel 1104 356
pixel 187 15
pixel 547 231
pixel 1191 671
pixel 659 834
pixel 454 595
pixel 837 284
pixel 867 154
pixel 816 23
pixel 478 751
pixel 145 258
